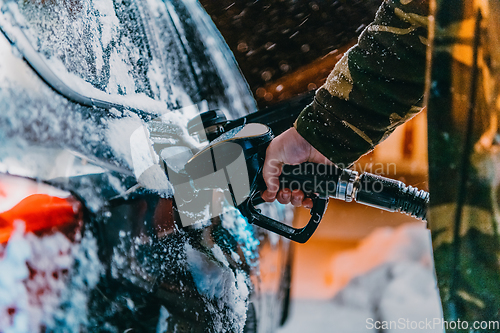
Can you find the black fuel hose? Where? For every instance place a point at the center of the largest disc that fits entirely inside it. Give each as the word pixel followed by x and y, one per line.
pixel 347 185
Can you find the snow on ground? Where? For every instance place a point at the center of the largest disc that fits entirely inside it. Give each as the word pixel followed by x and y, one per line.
pixel 388 277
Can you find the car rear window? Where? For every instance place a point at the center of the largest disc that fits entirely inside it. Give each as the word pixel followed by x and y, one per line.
pixel 106 43
pixel 165 50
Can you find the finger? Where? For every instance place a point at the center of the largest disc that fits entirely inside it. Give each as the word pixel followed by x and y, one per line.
pixel 268 197
pixel 284 196
pixel 297 198
pixel 270 172
pixel 272 189
pixel 307 203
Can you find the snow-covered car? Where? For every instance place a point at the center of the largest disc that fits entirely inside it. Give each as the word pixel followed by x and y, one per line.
pixel 90 239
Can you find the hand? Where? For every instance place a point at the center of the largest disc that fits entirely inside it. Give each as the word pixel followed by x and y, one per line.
pixel 288 148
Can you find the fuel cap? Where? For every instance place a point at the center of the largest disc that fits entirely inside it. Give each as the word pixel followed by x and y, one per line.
pixel 207 125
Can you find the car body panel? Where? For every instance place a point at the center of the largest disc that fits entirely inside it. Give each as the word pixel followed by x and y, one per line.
pixel 148 271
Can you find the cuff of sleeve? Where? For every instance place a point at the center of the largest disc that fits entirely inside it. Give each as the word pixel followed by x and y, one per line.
pixel 330 135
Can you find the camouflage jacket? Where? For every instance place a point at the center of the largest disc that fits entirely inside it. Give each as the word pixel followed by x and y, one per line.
pixel 376 86
pixel 379 84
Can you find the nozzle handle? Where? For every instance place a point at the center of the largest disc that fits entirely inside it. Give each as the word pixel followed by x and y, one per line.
pixel 300 235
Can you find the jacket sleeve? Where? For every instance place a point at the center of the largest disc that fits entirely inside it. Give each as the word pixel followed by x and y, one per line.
pixel 376 86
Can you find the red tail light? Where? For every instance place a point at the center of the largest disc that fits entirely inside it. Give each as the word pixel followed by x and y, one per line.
pixel 41 207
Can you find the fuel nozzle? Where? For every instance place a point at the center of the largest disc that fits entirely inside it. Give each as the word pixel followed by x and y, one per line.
pixel 233 162
pixel 208 125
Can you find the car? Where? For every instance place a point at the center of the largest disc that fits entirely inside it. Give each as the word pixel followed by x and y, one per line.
pixel 91 239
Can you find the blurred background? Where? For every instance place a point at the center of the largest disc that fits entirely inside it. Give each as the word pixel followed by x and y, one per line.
pixel 362 262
